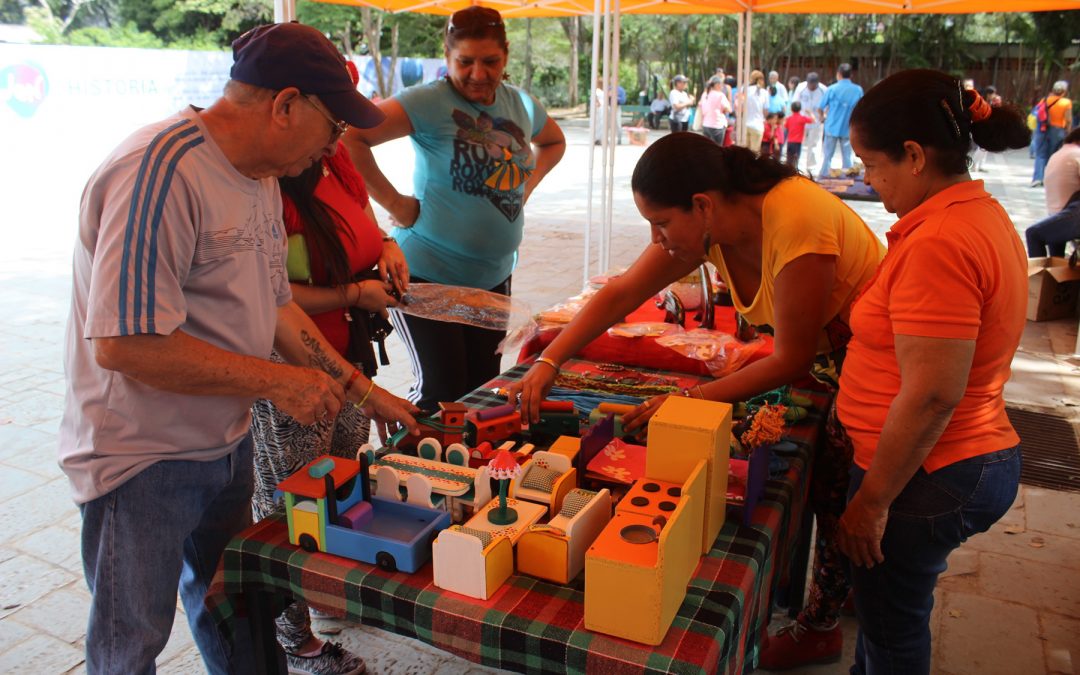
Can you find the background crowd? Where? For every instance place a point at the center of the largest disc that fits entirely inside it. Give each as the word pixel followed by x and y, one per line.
pixel 800 122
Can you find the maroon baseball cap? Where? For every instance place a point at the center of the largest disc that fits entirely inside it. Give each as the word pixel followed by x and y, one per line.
pixel 280 55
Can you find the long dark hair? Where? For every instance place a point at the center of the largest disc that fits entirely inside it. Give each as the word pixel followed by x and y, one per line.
pixel 321 229
pixel 681 165
pixel 931 108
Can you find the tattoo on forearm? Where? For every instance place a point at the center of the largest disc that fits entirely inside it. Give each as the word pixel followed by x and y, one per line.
pixel 317 356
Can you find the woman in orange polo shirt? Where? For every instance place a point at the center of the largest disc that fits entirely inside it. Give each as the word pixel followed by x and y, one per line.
pixel 936 460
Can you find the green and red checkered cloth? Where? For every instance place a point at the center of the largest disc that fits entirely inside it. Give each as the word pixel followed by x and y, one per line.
pixel 534 626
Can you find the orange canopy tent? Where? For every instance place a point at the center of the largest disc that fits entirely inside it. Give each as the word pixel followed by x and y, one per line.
pixel 549 8
pixel 608 32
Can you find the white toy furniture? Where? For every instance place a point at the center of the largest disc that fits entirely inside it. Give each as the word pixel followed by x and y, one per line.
pixel 457 454
pixel 556 551
pixel 546 479
pixel 387 484
pixel 474 559
pixel 429 448
pixel 479 495
pixel 418 492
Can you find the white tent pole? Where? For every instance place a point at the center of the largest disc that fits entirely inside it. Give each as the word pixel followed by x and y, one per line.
pixel 747 59
pixel 284 10
pixel 613 108
pixel 605 167
pixel 740 121
pixel 592 148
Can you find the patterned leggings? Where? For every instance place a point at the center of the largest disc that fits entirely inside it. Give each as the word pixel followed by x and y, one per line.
pixel 831 578
pixel 282 446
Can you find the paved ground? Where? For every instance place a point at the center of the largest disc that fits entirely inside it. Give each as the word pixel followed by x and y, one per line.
pixel 1010 602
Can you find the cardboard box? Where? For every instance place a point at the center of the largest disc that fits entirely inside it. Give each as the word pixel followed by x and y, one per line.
pixel 1053 289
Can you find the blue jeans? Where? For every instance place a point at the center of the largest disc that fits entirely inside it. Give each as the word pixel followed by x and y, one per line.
pixel 830 148
pixel 165 527
pixel 933 515
pixel 1053 232
pixel 1046 144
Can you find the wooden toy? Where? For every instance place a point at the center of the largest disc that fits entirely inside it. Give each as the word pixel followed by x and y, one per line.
pixel 453 417
pixel 637 570
pixel 476 558
pixel 446 479
pixel 682 432
pixel 484 452
pixel 556 551
pixel 599 463
pixel 429 448
pixel 492 424
pixel 557 418
pixel 471 562
pixel 606 408
pixel 746 481
pixel 568 446
pixel 479 495
pixel 387 483
pixel 418 492
pixel 546 478
pixel 503 468
pixel 329 508
pixel 458 454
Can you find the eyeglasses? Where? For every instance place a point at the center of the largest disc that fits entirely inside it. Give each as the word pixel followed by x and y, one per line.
pixel 493 21
pixel 337 127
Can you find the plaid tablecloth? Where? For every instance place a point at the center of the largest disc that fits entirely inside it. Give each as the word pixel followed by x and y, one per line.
pixel 534 626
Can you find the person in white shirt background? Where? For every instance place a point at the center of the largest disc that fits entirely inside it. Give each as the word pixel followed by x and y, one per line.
pixel 809 94
pixel 755 101
pixel 681 103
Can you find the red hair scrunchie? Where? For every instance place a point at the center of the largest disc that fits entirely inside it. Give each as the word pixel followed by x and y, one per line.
pixel 979 108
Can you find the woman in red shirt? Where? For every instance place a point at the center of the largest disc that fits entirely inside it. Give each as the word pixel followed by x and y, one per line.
pixel 327 204
pixel 921 394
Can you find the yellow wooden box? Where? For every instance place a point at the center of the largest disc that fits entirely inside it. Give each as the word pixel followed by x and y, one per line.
pixel 683 431
pixel 568 446
pixel 632 590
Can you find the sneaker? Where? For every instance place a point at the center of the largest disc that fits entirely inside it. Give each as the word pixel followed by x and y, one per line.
pixel 1036 183
pixel 798 644
pixel 333 659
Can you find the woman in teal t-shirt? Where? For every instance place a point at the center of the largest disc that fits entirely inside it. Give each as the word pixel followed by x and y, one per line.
pixel 482 146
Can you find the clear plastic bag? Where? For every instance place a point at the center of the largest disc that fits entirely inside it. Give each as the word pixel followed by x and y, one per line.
pixel 471 307
pixel 564 312
pixel 721 352
pixel 642 329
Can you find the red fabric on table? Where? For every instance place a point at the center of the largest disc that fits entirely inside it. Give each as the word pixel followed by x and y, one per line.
pixel 643 351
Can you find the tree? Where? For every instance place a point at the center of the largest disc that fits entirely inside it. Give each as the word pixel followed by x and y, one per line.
pixel 12 11
pixel 572 28
pixel 373 28
pixel 1054 33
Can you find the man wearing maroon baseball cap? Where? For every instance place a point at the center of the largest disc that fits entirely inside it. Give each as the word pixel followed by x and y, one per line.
pixel 281 55
pixel 180 294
